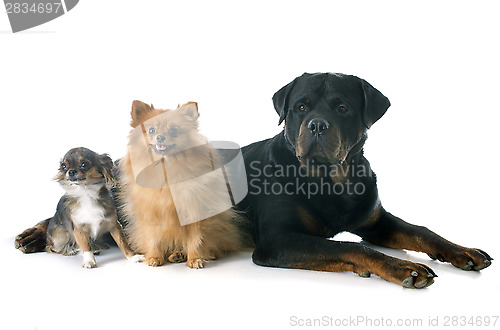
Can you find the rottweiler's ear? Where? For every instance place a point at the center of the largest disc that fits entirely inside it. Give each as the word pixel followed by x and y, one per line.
pixel 140 112
pixel 190 110
pixel 280 100
pixel 107 169
pixel 376 104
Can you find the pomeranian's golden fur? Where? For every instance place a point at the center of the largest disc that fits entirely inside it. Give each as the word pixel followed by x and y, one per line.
pixel 153 225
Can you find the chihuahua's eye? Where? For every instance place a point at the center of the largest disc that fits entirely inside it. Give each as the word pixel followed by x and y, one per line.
pixel 84 165
pixel 152 130
pixel 173 132
pixel 64 166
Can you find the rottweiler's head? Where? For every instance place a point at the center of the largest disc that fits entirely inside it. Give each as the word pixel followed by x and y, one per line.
pixel 327 115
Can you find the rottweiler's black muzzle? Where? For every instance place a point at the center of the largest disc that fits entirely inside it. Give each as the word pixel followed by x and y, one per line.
pixel 317 126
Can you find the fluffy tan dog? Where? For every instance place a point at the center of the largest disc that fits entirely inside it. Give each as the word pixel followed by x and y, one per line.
pixel 169 142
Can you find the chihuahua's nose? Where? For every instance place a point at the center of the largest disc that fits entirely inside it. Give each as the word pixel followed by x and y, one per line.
pixel 72 173
pixel 160 138
pixel 317 126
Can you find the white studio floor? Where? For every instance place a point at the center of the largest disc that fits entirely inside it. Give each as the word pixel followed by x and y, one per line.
pixel 46 291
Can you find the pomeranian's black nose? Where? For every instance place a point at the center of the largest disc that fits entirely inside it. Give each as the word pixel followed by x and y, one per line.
pixel 160 138
pixel 72 173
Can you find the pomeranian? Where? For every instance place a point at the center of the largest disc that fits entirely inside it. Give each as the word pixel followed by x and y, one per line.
pixel 87 210
pixel 165 222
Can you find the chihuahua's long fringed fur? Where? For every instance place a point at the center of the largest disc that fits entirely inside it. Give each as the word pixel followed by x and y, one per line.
pixel 152 217
pixel 87 210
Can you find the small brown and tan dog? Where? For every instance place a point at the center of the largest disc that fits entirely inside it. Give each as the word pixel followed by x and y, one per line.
pixel 86 211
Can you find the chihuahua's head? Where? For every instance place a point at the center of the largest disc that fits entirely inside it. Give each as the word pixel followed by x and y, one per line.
pixel 81 166
pixel 167 131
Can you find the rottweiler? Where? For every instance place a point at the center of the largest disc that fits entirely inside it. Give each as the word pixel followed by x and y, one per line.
pixel 312 181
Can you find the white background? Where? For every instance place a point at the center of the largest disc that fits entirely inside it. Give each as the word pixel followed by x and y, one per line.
pixel 71 83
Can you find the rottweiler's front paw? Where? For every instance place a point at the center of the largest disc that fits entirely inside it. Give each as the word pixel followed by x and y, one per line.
pixel 408 274
pixel 464 258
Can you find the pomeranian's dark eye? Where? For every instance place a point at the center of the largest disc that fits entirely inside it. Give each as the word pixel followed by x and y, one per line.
pixel 84 166
pixel 151 131
pixel 64 166
pixel 173 132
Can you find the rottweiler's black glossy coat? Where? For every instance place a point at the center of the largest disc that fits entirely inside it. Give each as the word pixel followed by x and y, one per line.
pixel 312 181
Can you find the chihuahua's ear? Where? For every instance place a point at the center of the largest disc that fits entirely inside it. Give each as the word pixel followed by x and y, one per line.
pixel 107 169
pixel 140 112
pixel 190 110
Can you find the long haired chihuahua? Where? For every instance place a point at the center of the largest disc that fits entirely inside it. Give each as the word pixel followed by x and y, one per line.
pixel 87 209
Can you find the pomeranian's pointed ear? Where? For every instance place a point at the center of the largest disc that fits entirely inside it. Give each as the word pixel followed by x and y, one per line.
pixel 107 169
pixel 140 112
pixel 190 110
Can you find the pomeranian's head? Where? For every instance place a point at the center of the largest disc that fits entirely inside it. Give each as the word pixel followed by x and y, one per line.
pixel 81 166
pixel 167 131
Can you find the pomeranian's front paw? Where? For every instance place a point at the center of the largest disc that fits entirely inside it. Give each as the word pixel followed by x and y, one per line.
pixel 177 257
pixel 196 263
pixel 89 260
pixel 155 261
pixel 137 258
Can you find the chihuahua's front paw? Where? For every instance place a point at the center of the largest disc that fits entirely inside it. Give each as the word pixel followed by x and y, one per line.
pixel 89 260
pixel 196 263
pixel 137 258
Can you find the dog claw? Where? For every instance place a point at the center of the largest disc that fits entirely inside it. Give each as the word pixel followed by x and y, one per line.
pixel 414 273
pixel 364 274
pixel 485 264
pixel 408 282
pixel 421 284
pixel 468 266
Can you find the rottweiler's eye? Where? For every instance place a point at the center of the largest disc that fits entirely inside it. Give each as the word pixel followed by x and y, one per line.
pixel 151 131
pixel 173 132
pixel 84 165
pixel 64 166
pixel 302 107
pixel 343 109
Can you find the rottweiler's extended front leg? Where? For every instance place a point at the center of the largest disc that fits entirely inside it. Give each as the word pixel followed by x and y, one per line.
pixel 302 251
pixel 384 229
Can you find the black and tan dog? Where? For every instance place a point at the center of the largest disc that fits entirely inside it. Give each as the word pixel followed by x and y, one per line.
pixel 311 182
